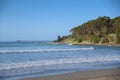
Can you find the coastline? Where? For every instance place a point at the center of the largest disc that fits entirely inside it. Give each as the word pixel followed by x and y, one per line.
pixel 88 43
pixel 101 74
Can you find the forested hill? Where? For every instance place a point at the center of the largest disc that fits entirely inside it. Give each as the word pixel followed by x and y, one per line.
pixel 98 31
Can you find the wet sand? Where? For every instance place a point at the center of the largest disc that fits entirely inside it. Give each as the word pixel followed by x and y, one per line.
pixel 102 74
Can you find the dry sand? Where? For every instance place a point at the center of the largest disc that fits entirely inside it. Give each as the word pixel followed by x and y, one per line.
pixel 103 74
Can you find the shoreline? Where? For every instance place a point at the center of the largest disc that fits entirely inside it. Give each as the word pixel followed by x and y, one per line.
pixel 102 44
pixel 100 74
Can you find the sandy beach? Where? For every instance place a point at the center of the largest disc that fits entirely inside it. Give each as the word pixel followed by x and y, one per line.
pixel 102 74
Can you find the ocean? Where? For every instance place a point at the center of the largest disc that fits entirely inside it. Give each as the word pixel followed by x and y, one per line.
pixel 22 59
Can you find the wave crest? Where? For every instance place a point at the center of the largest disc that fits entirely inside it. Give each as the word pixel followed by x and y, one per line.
pixel 56 62
pixel 44 50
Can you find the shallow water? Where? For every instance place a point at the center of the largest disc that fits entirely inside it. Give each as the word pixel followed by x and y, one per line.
pixel 18 59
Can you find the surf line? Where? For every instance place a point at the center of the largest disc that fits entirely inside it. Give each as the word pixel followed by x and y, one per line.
pixel 45 50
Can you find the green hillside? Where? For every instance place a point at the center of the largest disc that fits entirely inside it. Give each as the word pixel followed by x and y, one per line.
pixel 98 31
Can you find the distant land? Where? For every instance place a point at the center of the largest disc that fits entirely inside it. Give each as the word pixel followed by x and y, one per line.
pixel 101 31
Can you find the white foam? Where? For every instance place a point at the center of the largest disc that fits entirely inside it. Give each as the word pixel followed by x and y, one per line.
pixel 44 50
pixel 59 61
pixel 70 44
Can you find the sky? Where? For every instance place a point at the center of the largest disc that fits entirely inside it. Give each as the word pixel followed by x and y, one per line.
pixel 46 19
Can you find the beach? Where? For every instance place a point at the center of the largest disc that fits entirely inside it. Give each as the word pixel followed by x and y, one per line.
pixel 101 74
pixel 59 40
pixel 21 60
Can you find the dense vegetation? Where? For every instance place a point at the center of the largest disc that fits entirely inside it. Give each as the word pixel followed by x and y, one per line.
pixel 101 30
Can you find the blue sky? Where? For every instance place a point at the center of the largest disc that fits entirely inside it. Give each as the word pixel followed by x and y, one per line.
pixel 46 19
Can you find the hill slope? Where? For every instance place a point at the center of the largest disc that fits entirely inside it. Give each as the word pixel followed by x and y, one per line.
pixel 99 31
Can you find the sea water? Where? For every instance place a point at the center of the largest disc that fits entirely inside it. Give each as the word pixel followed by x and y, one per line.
pixel 24 59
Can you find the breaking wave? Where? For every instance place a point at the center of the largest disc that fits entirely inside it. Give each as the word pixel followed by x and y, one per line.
pixel 57 62
pixel 44 50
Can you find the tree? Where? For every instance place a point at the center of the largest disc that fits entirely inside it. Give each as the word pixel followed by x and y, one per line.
pixel 96 31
